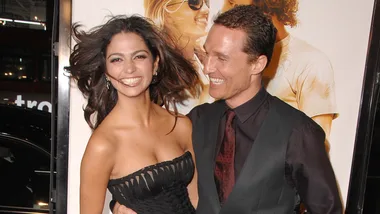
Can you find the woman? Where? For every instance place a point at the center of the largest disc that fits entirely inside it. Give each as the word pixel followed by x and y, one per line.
pixel 185 22
pixel 138 150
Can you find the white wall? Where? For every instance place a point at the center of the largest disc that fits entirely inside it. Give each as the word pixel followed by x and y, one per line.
pixel 340 28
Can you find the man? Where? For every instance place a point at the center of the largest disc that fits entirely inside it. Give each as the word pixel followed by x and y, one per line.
pixel 299 74
pixel 254 153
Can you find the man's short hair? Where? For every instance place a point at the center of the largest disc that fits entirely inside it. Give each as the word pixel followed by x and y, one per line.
pixel 261 33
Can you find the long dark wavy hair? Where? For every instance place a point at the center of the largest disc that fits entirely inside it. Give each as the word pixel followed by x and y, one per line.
pixel 177 80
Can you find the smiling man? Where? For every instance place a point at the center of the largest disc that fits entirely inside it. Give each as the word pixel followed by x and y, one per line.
pixel 248 143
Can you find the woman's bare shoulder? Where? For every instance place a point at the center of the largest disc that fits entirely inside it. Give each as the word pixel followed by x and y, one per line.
pixel 99 155
pixel 102 140
pixel 182 122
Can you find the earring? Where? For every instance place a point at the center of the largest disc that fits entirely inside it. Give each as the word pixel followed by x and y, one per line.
pixel 154 79
pixel 108 83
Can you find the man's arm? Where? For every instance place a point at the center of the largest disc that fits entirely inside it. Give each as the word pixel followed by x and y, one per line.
pixel 311 170
pixel 325 122
pixel 316 91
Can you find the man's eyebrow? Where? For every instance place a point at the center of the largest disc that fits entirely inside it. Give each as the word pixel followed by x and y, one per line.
pixel 222 55
pixel 218 53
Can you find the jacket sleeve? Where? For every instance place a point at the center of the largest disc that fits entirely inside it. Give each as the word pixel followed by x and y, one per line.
pixel 311 170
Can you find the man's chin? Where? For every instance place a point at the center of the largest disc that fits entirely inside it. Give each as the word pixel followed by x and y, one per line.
pixel 216 96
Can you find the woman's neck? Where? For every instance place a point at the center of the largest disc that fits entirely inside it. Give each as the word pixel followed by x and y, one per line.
pixel 135 110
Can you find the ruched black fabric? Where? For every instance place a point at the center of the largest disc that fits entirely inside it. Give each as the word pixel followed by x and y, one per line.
pixel 160 188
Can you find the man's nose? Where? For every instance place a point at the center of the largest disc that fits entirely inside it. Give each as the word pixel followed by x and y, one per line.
pixel 208 65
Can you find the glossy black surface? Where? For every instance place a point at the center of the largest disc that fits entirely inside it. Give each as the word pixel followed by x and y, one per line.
pixel 24 160
pixel 364 188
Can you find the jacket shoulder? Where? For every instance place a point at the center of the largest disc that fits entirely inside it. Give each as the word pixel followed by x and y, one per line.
pixel 204 110
pixel 288 112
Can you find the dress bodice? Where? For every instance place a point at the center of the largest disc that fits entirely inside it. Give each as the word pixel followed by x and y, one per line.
pixel 160 188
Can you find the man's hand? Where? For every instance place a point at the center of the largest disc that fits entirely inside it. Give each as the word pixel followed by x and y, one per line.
pixel 120 209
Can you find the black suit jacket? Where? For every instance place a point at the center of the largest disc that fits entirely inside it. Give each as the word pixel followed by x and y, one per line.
pixel 260 187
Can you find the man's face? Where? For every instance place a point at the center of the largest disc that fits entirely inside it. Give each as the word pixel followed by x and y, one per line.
pixel 230 70
pixel 229 4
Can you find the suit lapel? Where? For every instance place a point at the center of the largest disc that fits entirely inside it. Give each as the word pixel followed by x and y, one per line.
pixel 206 161
pixel 240 199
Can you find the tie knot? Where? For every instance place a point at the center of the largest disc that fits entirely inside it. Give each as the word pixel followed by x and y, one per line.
pixel 230 116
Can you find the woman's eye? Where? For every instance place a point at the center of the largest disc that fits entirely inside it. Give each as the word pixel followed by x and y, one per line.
pixel 115 60
pixel 140 57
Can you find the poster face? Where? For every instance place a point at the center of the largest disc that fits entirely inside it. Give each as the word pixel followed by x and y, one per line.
pixel 186 23
pixel 317 66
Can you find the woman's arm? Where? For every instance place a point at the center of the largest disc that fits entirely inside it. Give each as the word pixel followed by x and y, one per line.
pixel 192 188
pixel 185 133
pixel 96 167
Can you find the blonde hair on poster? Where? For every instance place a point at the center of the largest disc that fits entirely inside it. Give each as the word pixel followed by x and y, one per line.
pixel 154 10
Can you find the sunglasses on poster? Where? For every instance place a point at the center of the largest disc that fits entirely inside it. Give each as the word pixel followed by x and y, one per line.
pixel 193 4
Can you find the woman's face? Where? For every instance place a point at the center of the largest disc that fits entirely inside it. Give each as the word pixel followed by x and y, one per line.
pixel 229 4
pixel 130 65
pixel 185 21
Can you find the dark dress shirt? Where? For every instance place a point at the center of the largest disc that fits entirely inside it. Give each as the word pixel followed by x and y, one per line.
pixel 307 166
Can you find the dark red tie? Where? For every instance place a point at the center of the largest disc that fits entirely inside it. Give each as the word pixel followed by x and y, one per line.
pixel 224 167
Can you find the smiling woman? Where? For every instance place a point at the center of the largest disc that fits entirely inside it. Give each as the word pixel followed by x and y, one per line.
pixel 127 71
pixel 94 63
pixel 130 72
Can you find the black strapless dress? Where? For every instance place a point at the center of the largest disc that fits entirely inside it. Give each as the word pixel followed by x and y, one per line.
pixel 160 188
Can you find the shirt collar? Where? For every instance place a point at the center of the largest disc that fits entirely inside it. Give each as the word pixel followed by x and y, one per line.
pixel 246 110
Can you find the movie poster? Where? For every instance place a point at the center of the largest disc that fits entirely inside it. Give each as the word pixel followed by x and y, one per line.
pixel 317 66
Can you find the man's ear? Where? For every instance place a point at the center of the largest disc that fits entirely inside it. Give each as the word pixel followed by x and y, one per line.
pixel 259 65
